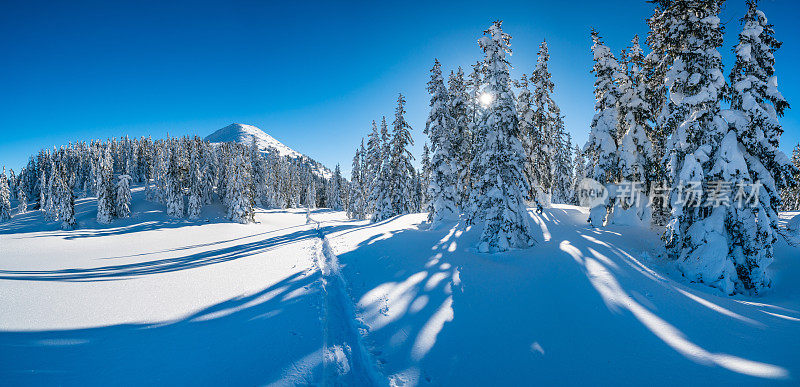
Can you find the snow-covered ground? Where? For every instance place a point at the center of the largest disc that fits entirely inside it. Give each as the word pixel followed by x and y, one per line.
pixel 162 301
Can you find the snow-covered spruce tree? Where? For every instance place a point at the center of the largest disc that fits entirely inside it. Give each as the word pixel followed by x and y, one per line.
pixel 238 195
pixel 462 136
pixel 538 128
pixel 22 198
pixel 563 167
pixel 51 201
pixel 122 198
pixel 497 201
pixel 602 148
pixel 196 184
pixel 354 211
pixel 66 200
pixel 173 183
pixel 373 166
pixel 754 91
pixel 425 174
pixel 105 193
pixel 401 171
pixel 740 236
pixel 259 172
pixel 5 198
pixel 790 197
pixel 334 190
pixel 635 150
pixel 381 192
pixel 581 172
pixel 364 186
pixel 725 245
pixel 444 176
pixel 208 170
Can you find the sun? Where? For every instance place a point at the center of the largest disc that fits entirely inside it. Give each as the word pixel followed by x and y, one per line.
pixel 485 99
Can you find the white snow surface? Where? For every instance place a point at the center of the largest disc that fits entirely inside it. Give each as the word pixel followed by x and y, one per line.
pixel 155 300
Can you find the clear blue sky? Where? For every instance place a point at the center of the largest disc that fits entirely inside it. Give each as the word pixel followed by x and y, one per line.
pixel 311 74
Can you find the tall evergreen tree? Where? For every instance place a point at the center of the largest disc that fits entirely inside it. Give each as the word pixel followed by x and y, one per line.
pixel 425 173
pixel 22 198
pixel 791 195
pixel 497 201
pixel 540 128
pixel 122 198
pixel 444 164
pixel 173 179
pixel 335 189
pixel 713 242
pixel 754 91
pixel 66 200
pixel 636 157
pixel 460 105
pixel 238 195
pixel 401 170
pixel 105 193
pixel 602 147
pixel 355 210
pixel 5 198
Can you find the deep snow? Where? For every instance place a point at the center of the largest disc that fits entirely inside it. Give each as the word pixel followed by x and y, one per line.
pixel 162 301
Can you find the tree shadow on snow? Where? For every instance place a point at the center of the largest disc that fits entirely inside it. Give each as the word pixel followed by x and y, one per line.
pixel 265 337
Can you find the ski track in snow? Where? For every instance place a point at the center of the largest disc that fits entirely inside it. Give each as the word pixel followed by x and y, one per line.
pixel 346 359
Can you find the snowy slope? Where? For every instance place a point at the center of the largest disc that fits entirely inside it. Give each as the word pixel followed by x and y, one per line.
pixel 155 300
pixel 584 306
pixel 244 134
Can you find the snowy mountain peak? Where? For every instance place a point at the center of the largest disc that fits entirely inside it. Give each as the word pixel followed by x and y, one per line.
pixel 244 134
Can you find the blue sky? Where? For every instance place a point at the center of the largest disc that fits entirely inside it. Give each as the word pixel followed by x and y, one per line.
pixel 311 74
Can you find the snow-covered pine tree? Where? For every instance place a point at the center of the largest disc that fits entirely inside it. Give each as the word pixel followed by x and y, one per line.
pixel 497 201
pixel 208 171
pixel 462 136
pixel 740 235
pixel 791 195
pixel 51 201
pixel 401 171
pixel 539 129
pixel 5 198
pixel 12 184
pixel 713 242
pixel 364 186
pixel 355 210
pixel 563 167
pixel 380 196
pixel 425 174
pixel 122 198
pixel 173 182
pixel 335 189
pixel 238 195
pixel 444 163
pixel 581 172
pixel 105 193
pixel 602 148
pixel 754 91
pixel 654 68
pixel 65 199
pixel 258 172
pixel 372 166
pixel 636 155
pixel 22 198
pixel 196 183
